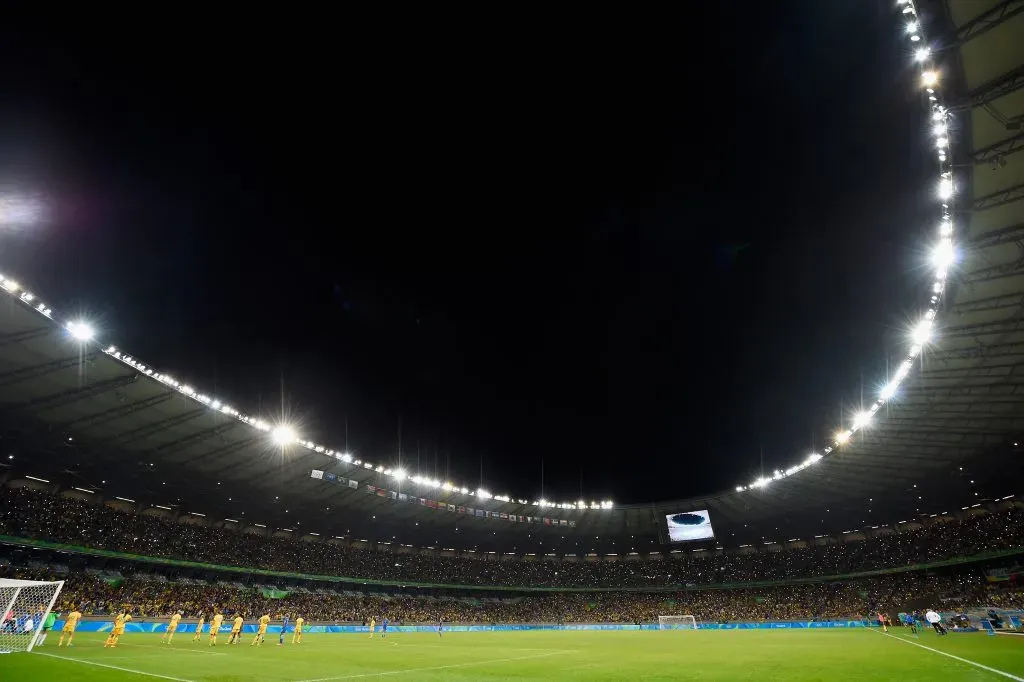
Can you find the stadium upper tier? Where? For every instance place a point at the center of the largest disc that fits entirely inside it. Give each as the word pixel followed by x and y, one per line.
pixel 33 514
pixel 940 432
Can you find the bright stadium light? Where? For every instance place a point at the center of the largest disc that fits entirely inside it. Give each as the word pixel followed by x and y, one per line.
pixel 861 419
pixel 922 54
pixel 282 435
pixel 930 79
pixel 922 333
pixel 945 188
pixel 943 255
pixel 400 474
pixel 842 437
pixel 80 331
pixel 813 457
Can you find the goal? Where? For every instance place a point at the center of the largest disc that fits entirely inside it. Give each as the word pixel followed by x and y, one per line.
pixel 25 604
pixel 677 623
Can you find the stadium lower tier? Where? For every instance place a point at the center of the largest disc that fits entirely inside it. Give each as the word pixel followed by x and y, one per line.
pixel 158 596
pixel 27 513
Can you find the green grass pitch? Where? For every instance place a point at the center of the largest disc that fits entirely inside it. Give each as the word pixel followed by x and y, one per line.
pixel 798 655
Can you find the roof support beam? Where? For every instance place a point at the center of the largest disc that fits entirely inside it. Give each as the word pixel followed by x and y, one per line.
pixel 147 430
pixel 999 150
pixel 972 331
pixel 35 371
pixel 998 87
pixel 989 304
pixel 994 272
pixel 19 337
pixel 73 395
pixel 115 413
pixel 1000 198
pixel 994 350
pixel 1007 235
pixel 986 21
pixel 224 451
pixel 193 438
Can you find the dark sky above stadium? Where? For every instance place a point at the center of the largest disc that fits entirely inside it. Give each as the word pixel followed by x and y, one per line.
pixel 639 250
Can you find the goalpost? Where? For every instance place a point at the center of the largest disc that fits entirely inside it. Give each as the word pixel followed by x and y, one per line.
pixel 25 604
pixel 677 623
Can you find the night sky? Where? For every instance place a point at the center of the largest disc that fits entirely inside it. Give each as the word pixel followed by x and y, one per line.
pixel 638 250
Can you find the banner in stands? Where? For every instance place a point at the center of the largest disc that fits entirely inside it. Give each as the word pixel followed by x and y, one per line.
pixel 106 626
pixel 440 506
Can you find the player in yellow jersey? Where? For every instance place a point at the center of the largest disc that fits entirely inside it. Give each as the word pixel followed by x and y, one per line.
pixel 172 627
pixel 262 631
pixel 218 618
pixel 199 627
pixel 297 635
pixel 373 624
pixel 122 619
pixel 236 630
pixel 70 623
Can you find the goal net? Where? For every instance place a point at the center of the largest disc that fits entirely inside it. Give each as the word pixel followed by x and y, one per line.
pixel 677 623
pixel 25 604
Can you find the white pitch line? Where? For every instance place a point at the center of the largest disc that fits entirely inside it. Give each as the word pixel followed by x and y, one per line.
pixel 958 658
pixel 435 667
pixel 115 667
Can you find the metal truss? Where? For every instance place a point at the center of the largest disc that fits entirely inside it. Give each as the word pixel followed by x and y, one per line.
pixel 115 413
pixel 26 373
pixel 992 303
pixel 994 272
pixel 20 337
pixel 996 350
pixel 986 21
pixel 971 331
pixel 73 395
pixel 192 439
pixel 972 372
pixel 1000 198
pixel 1014 234
pixel 999 150
pixel 998 87
pixel 224 451
pixel 147 430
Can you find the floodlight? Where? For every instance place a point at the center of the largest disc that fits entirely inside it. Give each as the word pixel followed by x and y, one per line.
pixel 922 54
pixel 943 255
pixel 282 435
pixel 400 474
pixel 81 331
pixel 945 188
pixel 929 79
pixel 813 457
pixel 922 333
pixel 842 437
pixel 861 419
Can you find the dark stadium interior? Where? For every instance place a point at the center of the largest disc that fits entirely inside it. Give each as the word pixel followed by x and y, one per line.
pixel 494 340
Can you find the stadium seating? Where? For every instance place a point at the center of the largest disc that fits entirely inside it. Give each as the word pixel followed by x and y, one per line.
pixel 33 514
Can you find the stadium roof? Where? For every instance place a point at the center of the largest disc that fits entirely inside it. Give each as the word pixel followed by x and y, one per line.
pixel 944 433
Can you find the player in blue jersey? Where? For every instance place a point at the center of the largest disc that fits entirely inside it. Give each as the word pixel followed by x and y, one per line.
pixel 384 628
pixel 908 620
pixel 440 625
pixel 284 626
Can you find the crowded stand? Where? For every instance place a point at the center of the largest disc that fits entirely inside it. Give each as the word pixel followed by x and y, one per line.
pixel 34 514
pixel 153 596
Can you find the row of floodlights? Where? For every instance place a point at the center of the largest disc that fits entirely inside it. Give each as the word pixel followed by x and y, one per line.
pixel 281 435
pixel 943 256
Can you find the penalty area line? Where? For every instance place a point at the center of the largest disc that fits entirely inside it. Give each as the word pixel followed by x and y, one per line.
pixel 957 658
pixel 113 667
pixel 431 668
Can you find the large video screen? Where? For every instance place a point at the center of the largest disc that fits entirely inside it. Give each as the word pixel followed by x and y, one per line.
pixel 689 526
